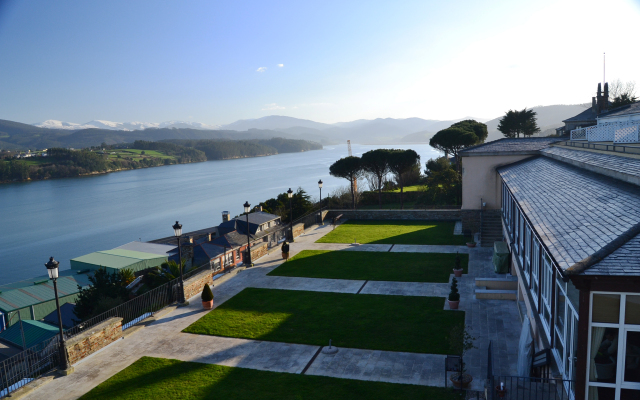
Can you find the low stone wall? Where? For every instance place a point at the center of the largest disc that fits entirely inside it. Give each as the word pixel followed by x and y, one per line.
pixel 194 285
pixel 258 251
pixel 298 230
pixel 470 218
pixel 92 340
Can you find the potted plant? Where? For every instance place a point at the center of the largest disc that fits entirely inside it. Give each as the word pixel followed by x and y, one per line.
pixel 457 269
pixel 460 341
pixel 471 244
pixel 454 296
pixel 207 297
pixel 501 390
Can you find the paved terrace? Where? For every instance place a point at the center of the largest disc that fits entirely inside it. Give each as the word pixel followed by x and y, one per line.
pixel 495 320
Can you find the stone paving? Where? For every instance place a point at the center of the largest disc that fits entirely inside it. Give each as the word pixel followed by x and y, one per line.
pixel 489 320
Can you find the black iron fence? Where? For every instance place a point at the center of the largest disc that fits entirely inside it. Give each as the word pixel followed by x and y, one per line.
pixel 28 365
pixel 134 310
pixel 528 388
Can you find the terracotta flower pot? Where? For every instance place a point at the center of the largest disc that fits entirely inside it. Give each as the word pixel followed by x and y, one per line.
pixel 453 305
pixel 207 305
pixel 461 383
pixel 471 244
pixel 457 272
pixel 501 392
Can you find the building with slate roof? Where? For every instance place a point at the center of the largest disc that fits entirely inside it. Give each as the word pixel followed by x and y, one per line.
pixel 570 217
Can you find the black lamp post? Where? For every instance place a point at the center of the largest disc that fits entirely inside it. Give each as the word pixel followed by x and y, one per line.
pixel 177 231
pixel 320 186
pixel 247 208
pixel 290 195
pixel 52 269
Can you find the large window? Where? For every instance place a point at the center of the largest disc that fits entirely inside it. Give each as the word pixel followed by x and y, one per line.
pixel 535 272
pixel 614 346
pixel 565 331
pixel 546 285
pixel 526 266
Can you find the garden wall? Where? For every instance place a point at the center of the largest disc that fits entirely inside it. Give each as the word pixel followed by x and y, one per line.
pixel 258 251
pixel 470 218
pixel 92 340
pixel 194 285
pixel 298 229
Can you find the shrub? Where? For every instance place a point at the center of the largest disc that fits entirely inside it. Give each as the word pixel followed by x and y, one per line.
pixel 207 294
pixel 453 294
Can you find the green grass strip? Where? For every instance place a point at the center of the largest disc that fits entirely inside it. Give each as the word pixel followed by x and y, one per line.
pixel 157 378
pixel 394 323
pixel 395 232
pixel 373 266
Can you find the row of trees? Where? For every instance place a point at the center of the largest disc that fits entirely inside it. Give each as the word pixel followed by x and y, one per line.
pixel 379 163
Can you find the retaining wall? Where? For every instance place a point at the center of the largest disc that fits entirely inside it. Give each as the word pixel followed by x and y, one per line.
pixel 92 340
pixel 470 218
pixel 194 284
pixel 258 251
pixel 298 229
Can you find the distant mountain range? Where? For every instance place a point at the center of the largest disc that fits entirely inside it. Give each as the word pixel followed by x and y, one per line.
pixel 53 133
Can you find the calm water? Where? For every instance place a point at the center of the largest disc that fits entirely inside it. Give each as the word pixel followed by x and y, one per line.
pixel 67 218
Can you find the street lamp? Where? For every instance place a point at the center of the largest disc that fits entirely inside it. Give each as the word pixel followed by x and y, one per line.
pixel 320 186
pixel 290 195
pixel 52 269
pixel 177 231
pixel 247 208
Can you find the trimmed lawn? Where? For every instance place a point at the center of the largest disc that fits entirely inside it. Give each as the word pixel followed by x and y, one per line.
pixel 395 323
pixel 158 378
pixel 373 266
pixel 395 232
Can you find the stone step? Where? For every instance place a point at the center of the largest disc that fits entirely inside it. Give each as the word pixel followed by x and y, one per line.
pixel 495 294
pixel 498 283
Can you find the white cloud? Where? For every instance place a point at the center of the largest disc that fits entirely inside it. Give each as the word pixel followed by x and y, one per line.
pixel 272 106
pixel 280 65
pixel 261 69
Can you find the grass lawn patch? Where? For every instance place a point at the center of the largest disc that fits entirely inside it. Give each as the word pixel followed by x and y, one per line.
pixel 373 266
pixel 364 321
pixel 158 378
pixel 395 232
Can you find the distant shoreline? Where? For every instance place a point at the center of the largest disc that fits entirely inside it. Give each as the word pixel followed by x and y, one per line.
pixel 146 167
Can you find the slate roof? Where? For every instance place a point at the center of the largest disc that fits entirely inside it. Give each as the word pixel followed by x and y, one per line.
pixel 258 217
pixel 508 145
pixel 575 212
pixel 624 110
pixel 586 116
pixel 623 261
pixel 611 162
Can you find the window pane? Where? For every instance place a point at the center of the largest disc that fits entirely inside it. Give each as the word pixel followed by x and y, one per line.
pixel 560 311
pixel 606 308
pixel 560 347
pixel 632 310
pixel 629 394
pixel 602 393
pixel 604 352
pixel 632 358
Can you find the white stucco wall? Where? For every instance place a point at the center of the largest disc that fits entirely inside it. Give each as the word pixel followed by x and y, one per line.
pixel 480 180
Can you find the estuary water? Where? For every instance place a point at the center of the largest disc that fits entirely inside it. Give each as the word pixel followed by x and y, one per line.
pixel 67 218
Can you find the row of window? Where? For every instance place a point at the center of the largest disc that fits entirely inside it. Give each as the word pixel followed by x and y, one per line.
pixel 558 314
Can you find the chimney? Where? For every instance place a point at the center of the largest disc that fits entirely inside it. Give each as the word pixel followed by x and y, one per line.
pixel 225 216
pixel 260 208
pixel 208 237
pixel 594 105
pixel 605 97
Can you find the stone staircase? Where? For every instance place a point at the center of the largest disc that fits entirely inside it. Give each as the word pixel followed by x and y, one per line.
pixel 491 230
pixel 500 287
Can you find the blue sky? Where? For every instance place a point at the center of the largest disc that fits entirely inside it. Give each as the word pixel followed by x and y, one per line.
pixel 216 62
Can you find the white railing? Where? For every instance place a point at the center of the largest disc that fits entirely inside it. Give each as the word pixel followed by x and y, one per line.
pixel 579 134
pixel 616 132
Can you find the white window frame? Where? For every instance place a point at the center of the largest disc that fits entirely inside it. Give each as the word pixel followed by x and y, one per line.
pixel 622 344
pixel 528 239
pixel 535 272
pixel 546 292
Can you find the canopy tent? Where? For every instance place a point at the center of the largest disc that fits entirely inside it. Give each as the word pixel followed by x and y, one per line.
pixel 117 259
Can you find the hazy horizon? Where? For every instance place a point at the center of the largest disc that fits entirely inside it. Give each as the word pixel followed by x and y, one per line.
pixel 327 62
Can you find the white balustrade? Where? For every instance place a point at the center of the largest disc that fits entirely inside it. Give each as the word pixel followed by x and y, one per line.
pixel 616 132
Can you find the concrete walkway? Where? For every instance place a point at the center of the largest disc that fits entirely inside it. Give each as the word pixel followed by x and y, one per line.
pixel 163 338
